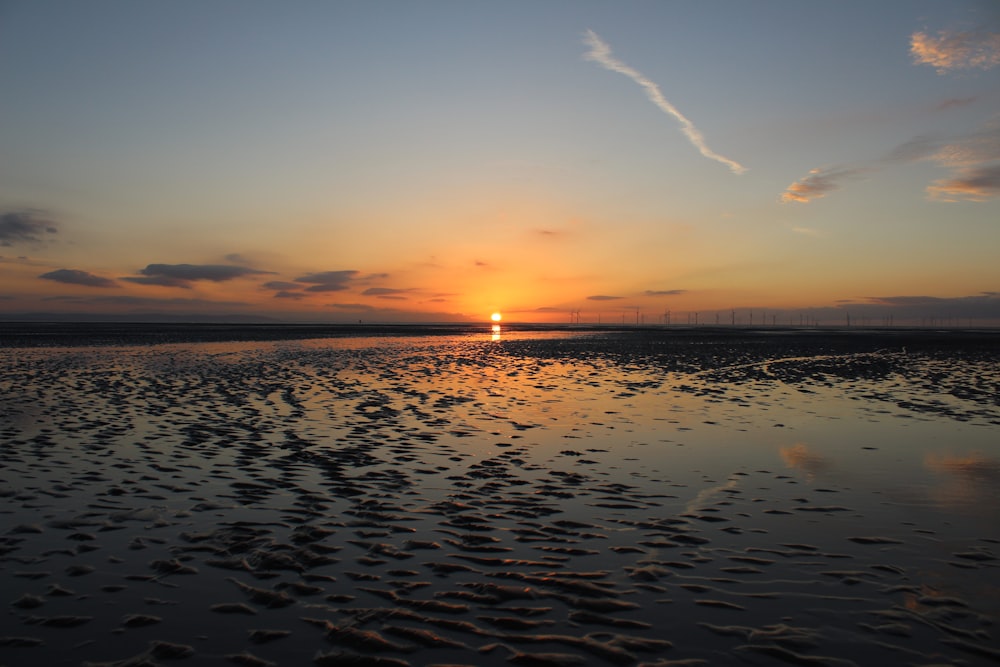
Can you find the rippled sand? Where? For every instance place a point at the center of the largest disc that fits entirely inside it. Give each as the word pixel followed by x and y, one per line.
pixel 568 498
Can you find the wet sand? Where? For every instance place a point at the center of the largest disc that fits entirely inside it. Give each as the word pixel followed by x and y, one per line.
pixel 547 498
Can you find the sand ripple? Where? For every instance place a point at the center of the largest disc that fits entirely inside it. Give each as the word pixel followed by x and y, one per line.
pixel 549 500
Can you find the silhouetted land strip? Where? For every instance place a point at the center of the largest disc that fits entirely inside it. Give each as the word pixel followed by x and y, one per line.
pixel 70 334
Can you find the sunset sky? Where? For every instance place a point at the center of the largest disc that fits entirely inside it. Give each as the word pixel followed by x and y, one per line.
pixel 557 160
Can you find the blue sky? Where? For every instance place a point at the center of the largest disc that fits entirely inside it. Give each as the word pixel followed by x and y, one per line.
pixel 455 158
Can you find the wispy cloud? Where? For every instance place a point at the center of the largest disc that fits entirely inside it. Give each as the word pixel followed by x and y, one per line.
pixel 978 183
pixel 355 307
pixel 975 164
pixel 369 314
pixel 991 299
pixel 141 301
pixel 604 297
pixel 77 277
pixel 26 226
pixel 384 292
pixel 954 50
pixel 956 102
pixel 281 285
pixel 973 159
pixel 818 183
pixel 327 281
pixel 985 305
pixel 183 275
pixel 600 53
pixel 664 292
pixel 918 148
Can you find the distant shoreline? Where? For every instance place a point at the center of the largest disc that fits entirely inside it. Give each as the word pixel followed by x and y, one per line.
pixel 80 334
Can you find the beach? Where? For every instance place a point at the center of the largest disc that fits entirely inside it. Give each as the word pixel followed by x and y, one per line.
pixel 454 496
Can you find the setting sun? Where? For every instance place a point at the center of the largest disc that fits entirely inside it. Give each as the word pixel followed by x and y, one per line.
pixel 496 317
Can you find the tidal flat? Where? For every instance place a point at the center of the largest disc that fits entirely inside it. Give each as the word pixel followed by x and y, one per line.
pixel 453 496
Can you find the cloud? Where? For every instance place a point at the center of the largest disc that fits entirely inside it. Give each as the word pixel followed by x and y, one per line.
pixel 984 298
pixel 281 285
pixel 906 300
pixel 603 297
pixel 383 291
pixel 956 102
pixel 387 293
pixel 77 277
pixel 666 292
pixel 973 159
pixel 284 289
pixel 136 301
pixel 23 260
pixel 982 306
pixel 970 150
pixel 918 148
pixel 975 164
pixel 953 50
pixel 327 281
pixel 182 275
pixel 370 314
pixel 819 183
pixel 976 184
pixel 600 53
pixel 24 227
pixel 357 307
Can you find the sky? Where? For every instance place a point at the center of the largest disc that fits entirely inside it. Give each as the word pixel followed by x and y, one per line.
pixel 559 161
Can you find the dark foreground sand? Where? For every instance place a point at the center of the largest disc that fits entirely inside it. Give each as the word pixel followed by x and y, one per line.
pixel 543 499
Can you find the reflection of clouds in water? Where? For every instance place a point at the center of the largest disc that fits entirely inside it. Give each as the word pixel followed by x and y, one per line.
pixel 974 467
pixel 695 503
pixel 972 478
pixel 800 458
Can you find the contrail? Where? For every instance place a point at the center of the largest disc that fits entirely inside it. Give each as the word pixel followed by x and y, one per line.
pixel 601 54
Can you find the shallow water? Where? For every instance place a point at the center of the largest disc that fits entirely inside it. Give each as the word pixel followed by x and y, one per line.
pixel 608 497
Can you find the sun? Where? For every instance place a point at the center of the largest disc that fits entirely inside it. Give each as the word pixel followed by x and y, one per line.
pixel 496 317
